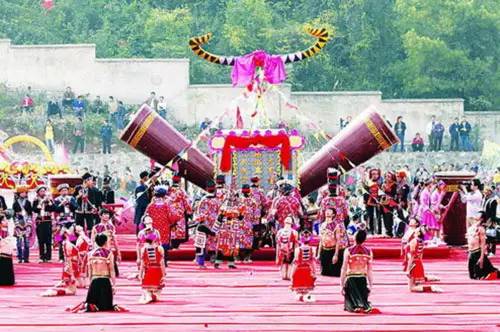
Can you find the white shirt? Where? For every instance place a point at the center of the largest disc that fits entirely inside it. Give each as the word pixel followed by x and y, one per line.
pixel 473 201
pixel 430 126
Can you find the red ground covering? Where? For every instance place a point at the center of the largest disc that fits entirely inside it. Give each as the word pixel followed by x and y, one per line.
pixel 254 298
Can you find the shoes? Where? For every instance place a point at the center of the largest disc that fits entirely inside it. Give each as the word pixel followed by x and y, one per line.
pixel 232 266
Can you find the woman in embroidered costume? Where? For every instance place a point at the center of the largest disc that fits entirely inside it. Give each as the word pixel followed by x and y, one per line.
pixel 479 265
pixel 251 215
pixel 415 267
pixel 152 271
pixel 7 245
pixel 287 240
pixel 106 227
pixel 83 246
pixel 304 269
pixel 333 241
pixel 102 276
pixel 227 236
pixel 437 208
pixel 71 267
pixel 425 214
pixel 357 277
pixel 141 240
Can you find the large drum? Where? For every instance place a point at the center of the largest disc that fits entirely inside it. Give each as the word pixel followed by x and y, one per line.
pixel 71 179
pixel 368 135
pixel 454 218
pixel 151 135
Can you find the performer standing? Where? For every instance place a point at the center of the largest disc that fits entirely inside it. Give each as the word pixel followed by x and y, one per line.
pixel 161 213
pixel 143 234
pixel 260 197
pixel 6 247
pixel 23 225
pixel 102 276
pixel 43 207
pixel 480 266
pixel 152 270
pixel 207 213
pixel 334 240
pixel 334 201
pixel 180 203
pixel 227 237
pixel 251 217
pixel 357 276
pixel 88 201
pixel 437 209
pixel 65 207
pixel 287 239
pixel 285 205
pixel 371 197
pixel 403 192
pixel 200 240
pixel 222 192
pixel 425 214
pixel 142 200
pixel 108 194
pixel 415 266
pixel 304 269
pixel 388 202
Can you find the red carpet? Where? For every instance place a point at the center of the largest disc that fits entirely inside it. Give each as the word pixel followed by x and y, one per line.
pixel 253 298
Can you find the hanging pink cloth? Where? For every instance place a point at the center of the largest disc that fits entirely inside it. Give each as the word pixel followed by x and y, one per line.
pixel 244 68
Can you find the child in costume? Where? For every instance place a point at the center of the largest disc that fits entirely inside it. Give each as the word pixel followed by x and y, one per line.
pixel 304 269
pixel 286 241
pixel 152 269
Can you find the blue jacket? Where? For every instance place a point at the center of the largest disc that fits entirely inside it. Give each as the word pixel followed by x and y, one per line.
pixel 106 132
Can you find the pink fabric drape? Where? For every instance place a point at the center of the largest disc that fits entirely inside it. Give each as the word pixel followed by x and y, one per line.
pixel 244 68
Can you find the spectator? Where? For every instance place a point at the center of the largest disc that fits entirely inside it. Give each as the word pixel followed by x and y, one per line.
pixel 97 105
pixel 106 136
pixel 205 124
pixel 454 134
pixel 437 134
pixel 53 107
pixel 112 107
pixel 400 128
pixel 79 136
pixel 428 130
pixel 417 144
pixel 152 101
pixel 27 104
pixel 120 116
pixel 78 107
pixel 464 130
pixel 162 107
pixel 49 135
pixel 68 98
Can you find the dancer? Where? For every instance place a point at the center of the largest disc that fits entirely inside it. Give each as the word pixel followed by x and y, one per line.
pixel 371 188
pixel 200 240
pixel 388 202
pixel 106 227
pixel 161 213
pixel 304 269
pixel 7 245
pixel 42 207
pixel 425 214
pixel 102 276
pixel 83 245
pixel 437 208
pixel 333 241
pixel 183 210
pixel 71 267
pixel 402 196
pixel 357 276
pixel 479 265
pixel 251 217
pixel 227 247
pixel 415 268
pixel 333 200
pixel 285 205
pixel 23 223
pixel 152 270
pixel 260 197
pixel 207 213
pixel 287 239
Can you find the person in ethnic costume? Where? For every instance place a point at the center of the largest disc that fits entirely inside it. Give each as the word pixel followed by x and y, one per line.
pixel 106 227
pixel 304 269
pixel 65 206
pixel 388 202
pixel 285 205
pixel 207 213
pixel 371 187
pixel 333 200
pixel 161 213
pixel 143 234
pixel 152 270
pixel 222 192
pixel 415 267
pixel 83 245
pixel 334 240
pixel 479 264
pixel 7 245
pixel 227 236
pixel 402 196
pixel 200 239
pixel 180 203
pixel 357 277
pixel 425 214
pixel 23 223
pixel 43 207
pixel 102 276
pixel 260 197
pixel 287 239
pixel 251 217
pixel 437 209
pixel 71 267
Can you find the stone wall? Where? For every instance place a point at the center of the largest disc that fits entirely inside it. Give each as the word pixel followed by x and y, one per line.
pixel 52 67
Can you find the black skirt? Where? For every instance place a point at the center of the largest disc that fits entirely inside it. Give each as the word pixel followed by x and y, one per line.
pixel 475 272
pixel 327 267
pixel 356 294
pixel 100 294
pixel 6 271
